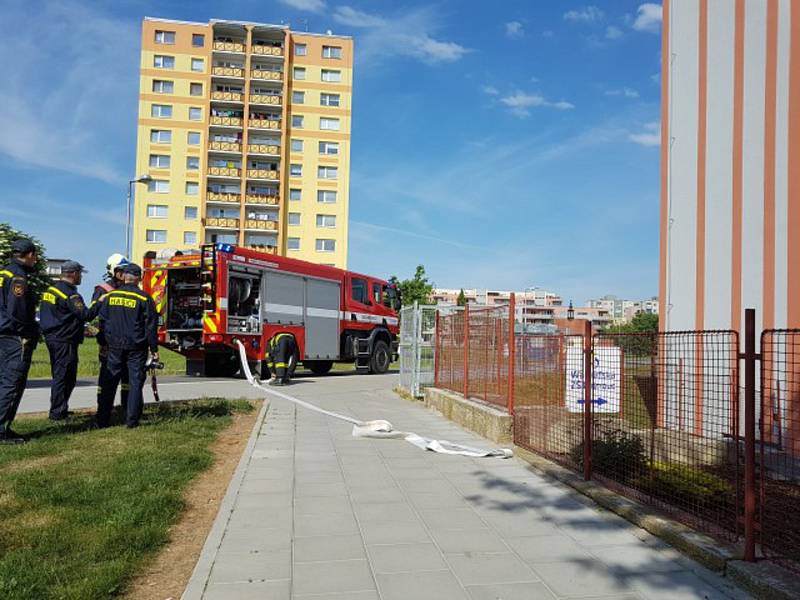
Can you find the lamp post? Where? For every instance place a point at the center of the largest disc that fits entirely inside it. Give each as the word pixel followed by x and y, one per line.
pixel 141 179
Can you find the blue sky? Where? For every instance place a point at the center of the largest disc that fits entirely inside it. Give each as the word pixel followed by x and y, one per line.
pixel 506 147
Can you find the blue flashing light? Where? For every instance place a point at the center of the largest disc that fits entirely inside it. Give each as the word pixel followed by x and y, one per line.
pixel 224 247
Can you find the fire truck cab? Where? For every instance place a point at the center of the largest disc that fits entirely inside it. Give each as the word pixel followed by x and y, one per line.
pixel 208 300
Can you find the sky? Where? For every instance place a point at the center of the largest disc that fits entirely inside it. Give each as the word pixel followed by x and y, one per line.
pixel 502 146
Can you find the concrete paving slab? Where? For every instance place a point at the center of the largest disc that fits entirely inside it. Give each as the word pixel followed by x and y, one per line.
pixel 329 548
pixel 400 558
pixel 428 585
pixel 510 591
pixel 474 569
pixel 334 576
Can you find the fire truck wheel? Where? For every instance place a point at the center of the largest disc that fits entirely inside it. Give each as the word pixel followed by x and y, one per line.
pixel 319 367
pixel 381 358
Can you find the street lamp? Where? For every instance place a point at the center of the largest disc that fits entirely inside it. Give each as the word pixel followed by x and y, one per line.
pixel 141 179
pixel 570 312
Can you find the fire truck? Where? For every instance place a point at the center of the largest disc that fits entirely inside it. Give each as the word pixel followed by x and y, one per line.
pixel 207 300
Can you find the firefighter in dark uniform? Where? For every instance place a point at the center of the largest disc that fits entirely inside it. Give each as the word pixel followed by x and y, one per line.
pixel 19 334
pixel 112 280
pixel 130 322
pixel 62 316
pixel 281 349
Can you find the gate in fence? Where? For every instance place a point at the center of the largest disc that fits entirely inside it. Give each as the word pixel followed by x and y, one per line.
pixel 416 349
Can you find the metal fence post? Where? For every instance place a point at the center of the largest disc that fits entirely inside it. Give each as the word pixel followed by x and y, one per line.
pixel 750 434
pixel 466 351
pixel 587 400
pixel 436 363
pixel 512 351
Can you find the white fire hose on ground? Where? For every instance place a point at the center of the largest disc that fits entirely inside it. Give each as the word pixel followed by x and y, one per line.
pixel 378 428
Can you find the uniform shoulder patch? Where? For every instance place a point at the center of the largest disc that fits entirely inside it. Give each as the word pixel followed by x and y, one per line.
pixel 77 302
pixel 18 287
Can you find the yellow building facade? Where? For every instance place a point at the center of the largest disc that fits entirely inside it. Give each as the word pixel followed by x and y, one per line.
pixel 244 132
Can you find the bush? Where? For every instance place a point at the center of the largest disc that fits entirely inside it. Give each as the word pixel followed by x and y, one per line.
pixel 618 455
pixel 686 485
pixel 39 280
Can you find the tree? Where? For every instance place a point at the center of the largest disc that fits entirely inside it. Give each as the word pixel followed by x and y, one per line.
pixel 39 280
pixel 639 336
pixel 462 298
pixel 418 288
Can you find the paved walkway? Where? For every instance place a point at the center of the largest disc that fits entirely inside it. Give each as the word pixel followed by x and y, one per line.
pixel 314 514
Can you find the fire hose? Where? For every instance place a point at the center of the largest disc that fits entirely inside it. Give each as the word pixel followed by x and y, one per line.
pixel 152 366
pixel 378 428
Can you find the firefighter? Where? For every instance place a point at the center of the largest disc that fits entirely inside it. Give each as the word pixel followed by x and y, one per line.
pixel 62 316
pixel 111 281
pixel 19 333
pixel 130 323
pixel 282 349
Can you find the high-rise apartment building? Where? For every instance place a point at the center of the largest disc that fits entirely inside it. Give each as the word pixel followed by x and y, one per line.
pixel 244 130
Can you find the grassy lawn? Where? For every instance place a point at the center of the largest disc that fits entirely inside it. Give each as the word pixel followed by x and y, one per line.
pixel 83 509
pixel 89 366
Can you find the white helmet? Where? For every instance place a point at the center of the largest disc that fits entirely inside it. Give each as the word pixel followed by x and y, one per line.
pixel 114 262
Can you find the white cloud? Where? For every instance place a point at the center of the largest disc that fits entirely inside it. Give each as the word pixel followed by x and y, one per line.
pixel 648 18
pixel 613 32
pixel 625 92
pixel 521 103
pixel 587 14
pixel 655 78
pixel 315 6
pixel 649 136
pixel 490 90
pixel 410 34
pixel 514 29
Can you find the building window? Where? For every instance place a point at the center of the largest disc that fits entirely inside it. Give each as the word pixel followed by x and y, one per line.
pixel 163 62
pixel 195 89
pixel 192 188
pixel 331 76
pixel 326 245
pixel 293 243
pixel 296 170
pixel 331 148
pixel 295 194
pixel 156 236
pixel 189 238
pixel 298 97
pixel 297 121
pixel 158 186
pixel 294 218
pixel 331 52
pixel 300 49
pixel 327 172
pixel 159 161
pixel 198 65
pixel 165 37
pixel 157 211
pixel 193 138
pixel 328 124
pixel 297 145
pixel 160 136
pixel 198 40
pixel 192 163
pixel 299 73
pixel 161 86
pixel 329 99
pixel 190 213
pixel 326 196
pixel 195 113
pixel 161 111
pixel 326 220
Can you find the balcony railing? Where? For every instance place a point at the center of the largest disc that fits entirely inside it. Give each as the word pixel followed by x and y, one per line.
pixel 225 146
pixel 263 248
pixel 224 171
pixel 267 50
pixel 263 149
pixel 227 96
pixel 227 71
pixel 262 174
pixel 271 99
pixel 265 123
pixel 222 222
pixel 228 46
pixel 261 199
pixel 228 121
pixel 266 75
pixel 227 197
pixel 261 224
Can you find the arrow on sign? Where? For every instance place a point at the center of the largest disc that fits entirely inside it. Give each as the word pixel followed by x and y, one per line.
pixel 598 401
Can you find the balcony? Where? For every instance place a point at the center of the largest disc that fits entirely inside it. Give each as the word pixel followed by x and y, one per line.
pixel 263 248
pixel 227 197
pixel 266 75
pixel 227 71
pixel 263 199
pixel 221 223
pixel 221 46
pixel 263 149
pixel 264 123
pixel 227 121
pixel 228 96
pixel 224 171
pixel 225 146
pixel 267 50
pixel 270 99
pixel 262 174
pixel 261 225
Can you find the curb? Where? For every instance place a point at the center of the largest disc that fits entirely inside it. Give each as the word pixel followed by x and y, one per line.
pixel 202 570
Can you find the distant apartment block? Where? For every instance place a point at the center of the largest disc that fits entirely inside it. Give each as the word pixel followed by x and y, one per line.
pixel 622 311
pixel 534 306
pixel 244 129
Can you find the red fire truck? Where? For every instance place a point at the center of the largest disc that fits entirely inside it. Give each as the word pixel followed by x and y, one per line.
pixel 206 301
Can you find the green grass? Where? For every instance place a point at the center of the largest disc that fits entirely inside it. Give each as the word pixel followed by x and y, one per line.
pixel 83 509
pixel 89 366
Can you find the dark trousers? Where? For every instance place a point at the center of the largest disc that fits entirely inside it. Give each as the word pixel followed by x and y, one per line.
pixel 121 361
pixel 280 356
pixel 124 385
pixel 15 361
pixel 64 369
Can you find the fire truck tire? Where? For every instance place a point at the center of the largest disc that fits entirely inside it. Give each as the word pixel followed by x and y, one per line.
pixel 381 358
pixel 319 367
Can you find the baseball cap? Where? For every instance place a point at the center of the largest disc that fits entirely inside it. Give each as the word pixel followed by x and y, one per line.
pixel 72 266
pixel 22 246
